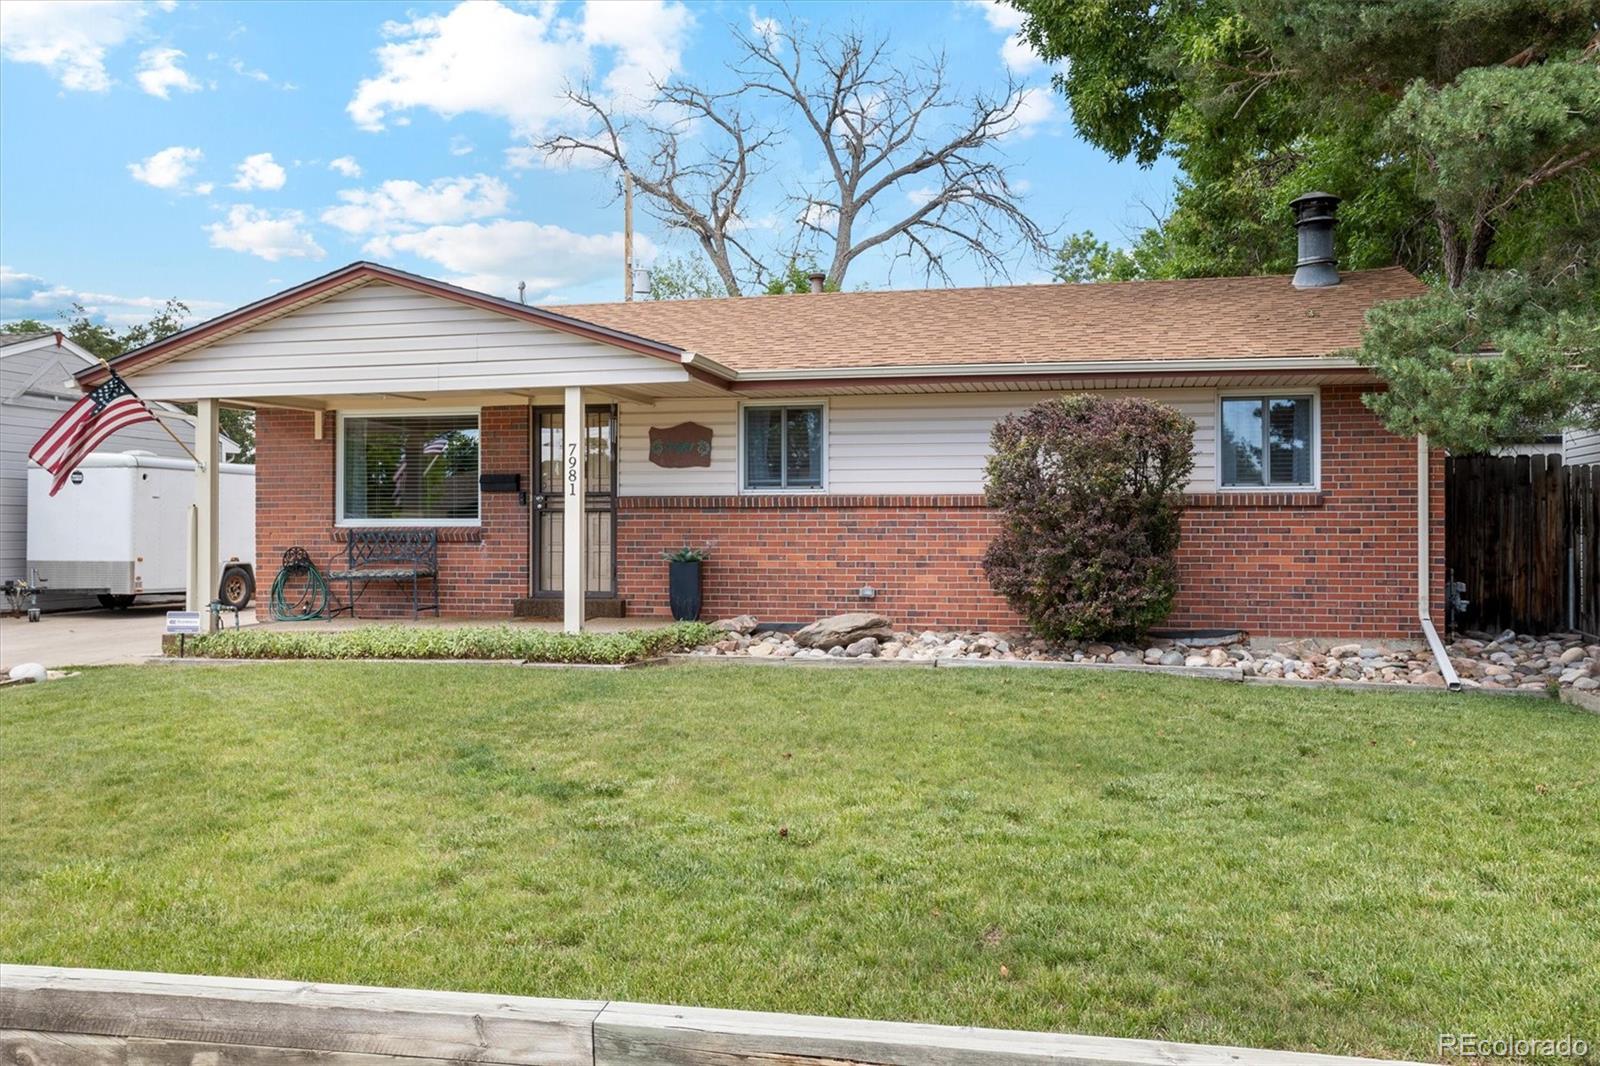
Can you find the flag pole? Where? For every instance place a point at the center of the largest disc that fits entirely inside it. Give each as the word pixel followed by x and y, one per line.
pixel 160 422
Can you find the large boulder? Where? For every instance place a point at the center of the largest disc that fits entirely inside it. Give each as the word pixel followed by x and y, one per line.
pixel 841 630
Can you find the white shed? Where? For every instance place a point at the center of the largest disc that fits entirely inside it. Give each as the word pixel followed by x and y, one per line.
pixel 35 387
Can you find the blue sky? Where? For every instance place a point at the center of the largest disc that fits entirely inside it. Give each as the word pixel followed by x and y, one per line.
pixel 218 152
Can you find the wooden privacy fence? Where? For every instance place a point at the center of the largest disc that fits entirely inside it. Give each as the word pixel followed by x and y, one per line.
pixel 1522 535
pixel 51 1017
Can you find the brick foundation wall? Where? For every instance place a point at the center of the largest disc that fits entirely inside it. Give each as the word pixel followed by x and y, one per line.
pixel 1339 562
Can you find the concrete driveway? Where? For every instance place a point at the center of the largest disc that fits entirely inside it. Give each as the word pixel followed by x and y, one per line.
pixel 89 638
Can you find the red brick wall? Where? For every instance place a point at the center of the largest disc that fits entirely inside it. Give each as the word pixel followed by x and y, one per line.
pixel 483 570
pixel 794 558
pixel 1342 562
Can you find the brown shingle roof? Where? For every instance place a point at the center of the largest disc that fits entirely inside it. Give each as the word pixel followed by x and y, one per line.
pixel 1202 318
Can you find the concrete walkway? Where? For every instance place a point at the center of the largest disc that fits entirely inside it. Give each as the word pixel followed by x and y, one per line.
pixel 88 638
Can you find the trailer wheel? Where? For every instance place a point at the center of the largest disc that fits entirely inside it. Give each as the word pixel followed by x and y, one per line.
pixel 114 602
pixel 237 588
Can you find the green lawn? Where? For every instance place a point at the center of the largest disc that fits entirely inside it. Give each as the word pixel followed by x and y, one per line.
pixel 1117 854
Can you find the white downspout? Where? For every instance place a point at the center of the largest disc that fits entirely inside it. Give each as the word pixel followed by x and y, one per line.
pixel 1425 571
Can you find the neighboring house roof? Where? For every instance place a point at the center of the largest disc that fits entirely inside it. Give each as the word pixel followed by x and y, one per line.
pixel 1133 321
pixel 51 383
pixel 8 339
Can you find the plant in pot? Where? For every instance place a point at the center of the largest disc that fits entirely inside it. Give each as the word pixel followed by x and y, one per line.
pixel 683 587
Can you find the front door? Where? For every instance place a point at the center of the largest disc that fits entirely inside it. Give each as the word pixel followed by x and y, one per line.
pixel 600 499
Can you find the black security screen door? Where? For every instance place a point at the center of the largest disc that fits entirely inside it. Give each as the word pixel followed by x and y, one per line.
pixel 600 505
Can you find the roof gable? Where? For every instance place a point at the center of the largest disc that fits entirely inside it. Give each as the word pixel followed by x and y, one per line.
pixel 353 276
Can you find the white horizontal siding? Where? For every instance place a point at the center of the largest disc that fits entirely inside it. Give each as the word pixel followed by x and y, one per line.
pixel 638 476
pixel 939 444
pixel 382 338
pixel 877 445
pixel 1581 446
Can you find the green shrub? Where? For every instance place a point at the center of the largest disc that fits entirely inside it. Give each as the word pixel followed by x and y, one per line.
pixel 467 642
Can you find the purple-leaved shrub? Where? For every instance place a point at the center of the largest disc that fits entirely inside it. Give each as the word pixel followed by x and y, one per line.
pixel 1090 493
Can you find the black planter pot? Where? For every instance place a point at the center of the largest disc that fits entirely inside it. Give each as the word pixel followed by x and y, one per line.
pixel 684 590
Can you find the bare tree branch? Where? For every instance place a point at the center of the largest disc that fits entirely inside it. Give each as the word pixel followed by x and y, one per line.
pixel 872 118
pixel 891 134
pixel 703 196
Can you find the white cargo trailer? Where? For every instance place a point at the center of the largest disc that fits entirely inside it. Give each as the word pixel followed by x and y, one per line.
pixel 119 528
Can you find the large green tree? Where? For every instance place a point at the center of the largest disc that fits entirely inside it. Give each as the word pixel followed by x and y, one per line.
pixel 1464 136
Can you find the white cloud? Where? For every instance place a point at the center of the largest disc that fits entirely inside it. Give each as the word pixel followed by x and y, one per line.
pixel 159 73
pixel 398 206
pixel 920 195
pixel 1019 57
pixel 239 68
pixel 646 38
pixel 767 29
pixel 25 295
pixel 459 145
pixel 1001 17
pixel 168 169
pixel 515 63
pixel 1036 111
pixel 1017 54
pixel 822 216
pixel 204 188
pixel 68 40
pixel 270 235
pixel 259 172
pixel 346 165
pixel 492 257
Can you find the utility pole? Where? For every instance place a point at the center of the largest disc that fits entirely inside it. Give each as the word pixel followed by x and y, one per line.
pixel 627 236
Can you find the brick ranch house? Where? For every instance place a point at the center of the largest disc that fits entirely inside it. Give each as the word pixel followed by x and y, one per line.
pixel 827 449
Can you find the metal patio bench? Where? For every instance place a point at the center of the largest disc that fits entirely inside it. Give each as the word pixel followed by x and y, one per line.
pixel 398 555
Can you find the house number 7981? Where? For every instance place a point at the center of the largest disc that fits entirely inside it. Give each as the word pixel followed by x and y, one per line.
pixel 572 469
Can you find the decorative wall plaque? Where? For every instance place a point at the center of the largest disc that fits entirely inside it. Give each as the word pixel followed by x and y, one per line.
pixel 685 444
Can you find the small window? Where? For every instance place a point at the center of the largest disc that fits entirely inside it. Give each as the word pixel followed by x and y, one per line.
pixel 410 468
pixel 1267 441
pixel 783 447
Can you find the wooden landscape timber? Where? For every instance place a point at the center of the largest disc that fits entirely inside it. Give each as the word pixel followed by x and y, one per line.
pixel 53 1017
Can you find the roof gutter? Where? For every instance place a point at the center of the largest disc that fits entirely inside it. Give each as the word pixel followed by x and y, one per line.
pixel 696 361
pixel 1105 366
pixel 1425 571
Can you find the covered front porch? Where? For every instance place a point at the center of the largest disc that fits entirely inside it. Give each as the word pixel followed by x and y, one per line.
pixel 385 402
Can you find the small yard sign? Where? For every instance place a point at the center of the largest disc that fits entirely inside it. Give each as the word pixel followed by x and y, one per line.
pixel 183 623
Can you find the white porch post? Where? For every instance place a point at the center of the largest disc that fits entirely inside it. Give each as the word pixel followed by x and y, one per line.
pixel 204 568
pixel 572 511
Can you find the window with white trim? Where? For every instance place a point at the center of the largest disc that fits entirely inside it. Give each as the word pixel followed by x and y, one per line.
pixel 403 469
pixel 783 447
pixel 1268 442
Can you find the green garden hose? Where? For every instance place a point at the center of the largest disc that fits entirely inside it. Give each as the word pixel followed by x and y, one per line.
pixel 310 589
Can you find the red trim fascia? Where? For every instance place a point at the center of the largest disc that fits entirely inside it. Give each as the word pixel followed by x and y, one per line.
pixel 359 274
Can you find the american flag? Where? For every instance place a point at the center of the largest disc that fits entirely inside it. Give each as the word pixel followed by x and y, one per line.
pixel 110 407
pixel 435 447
